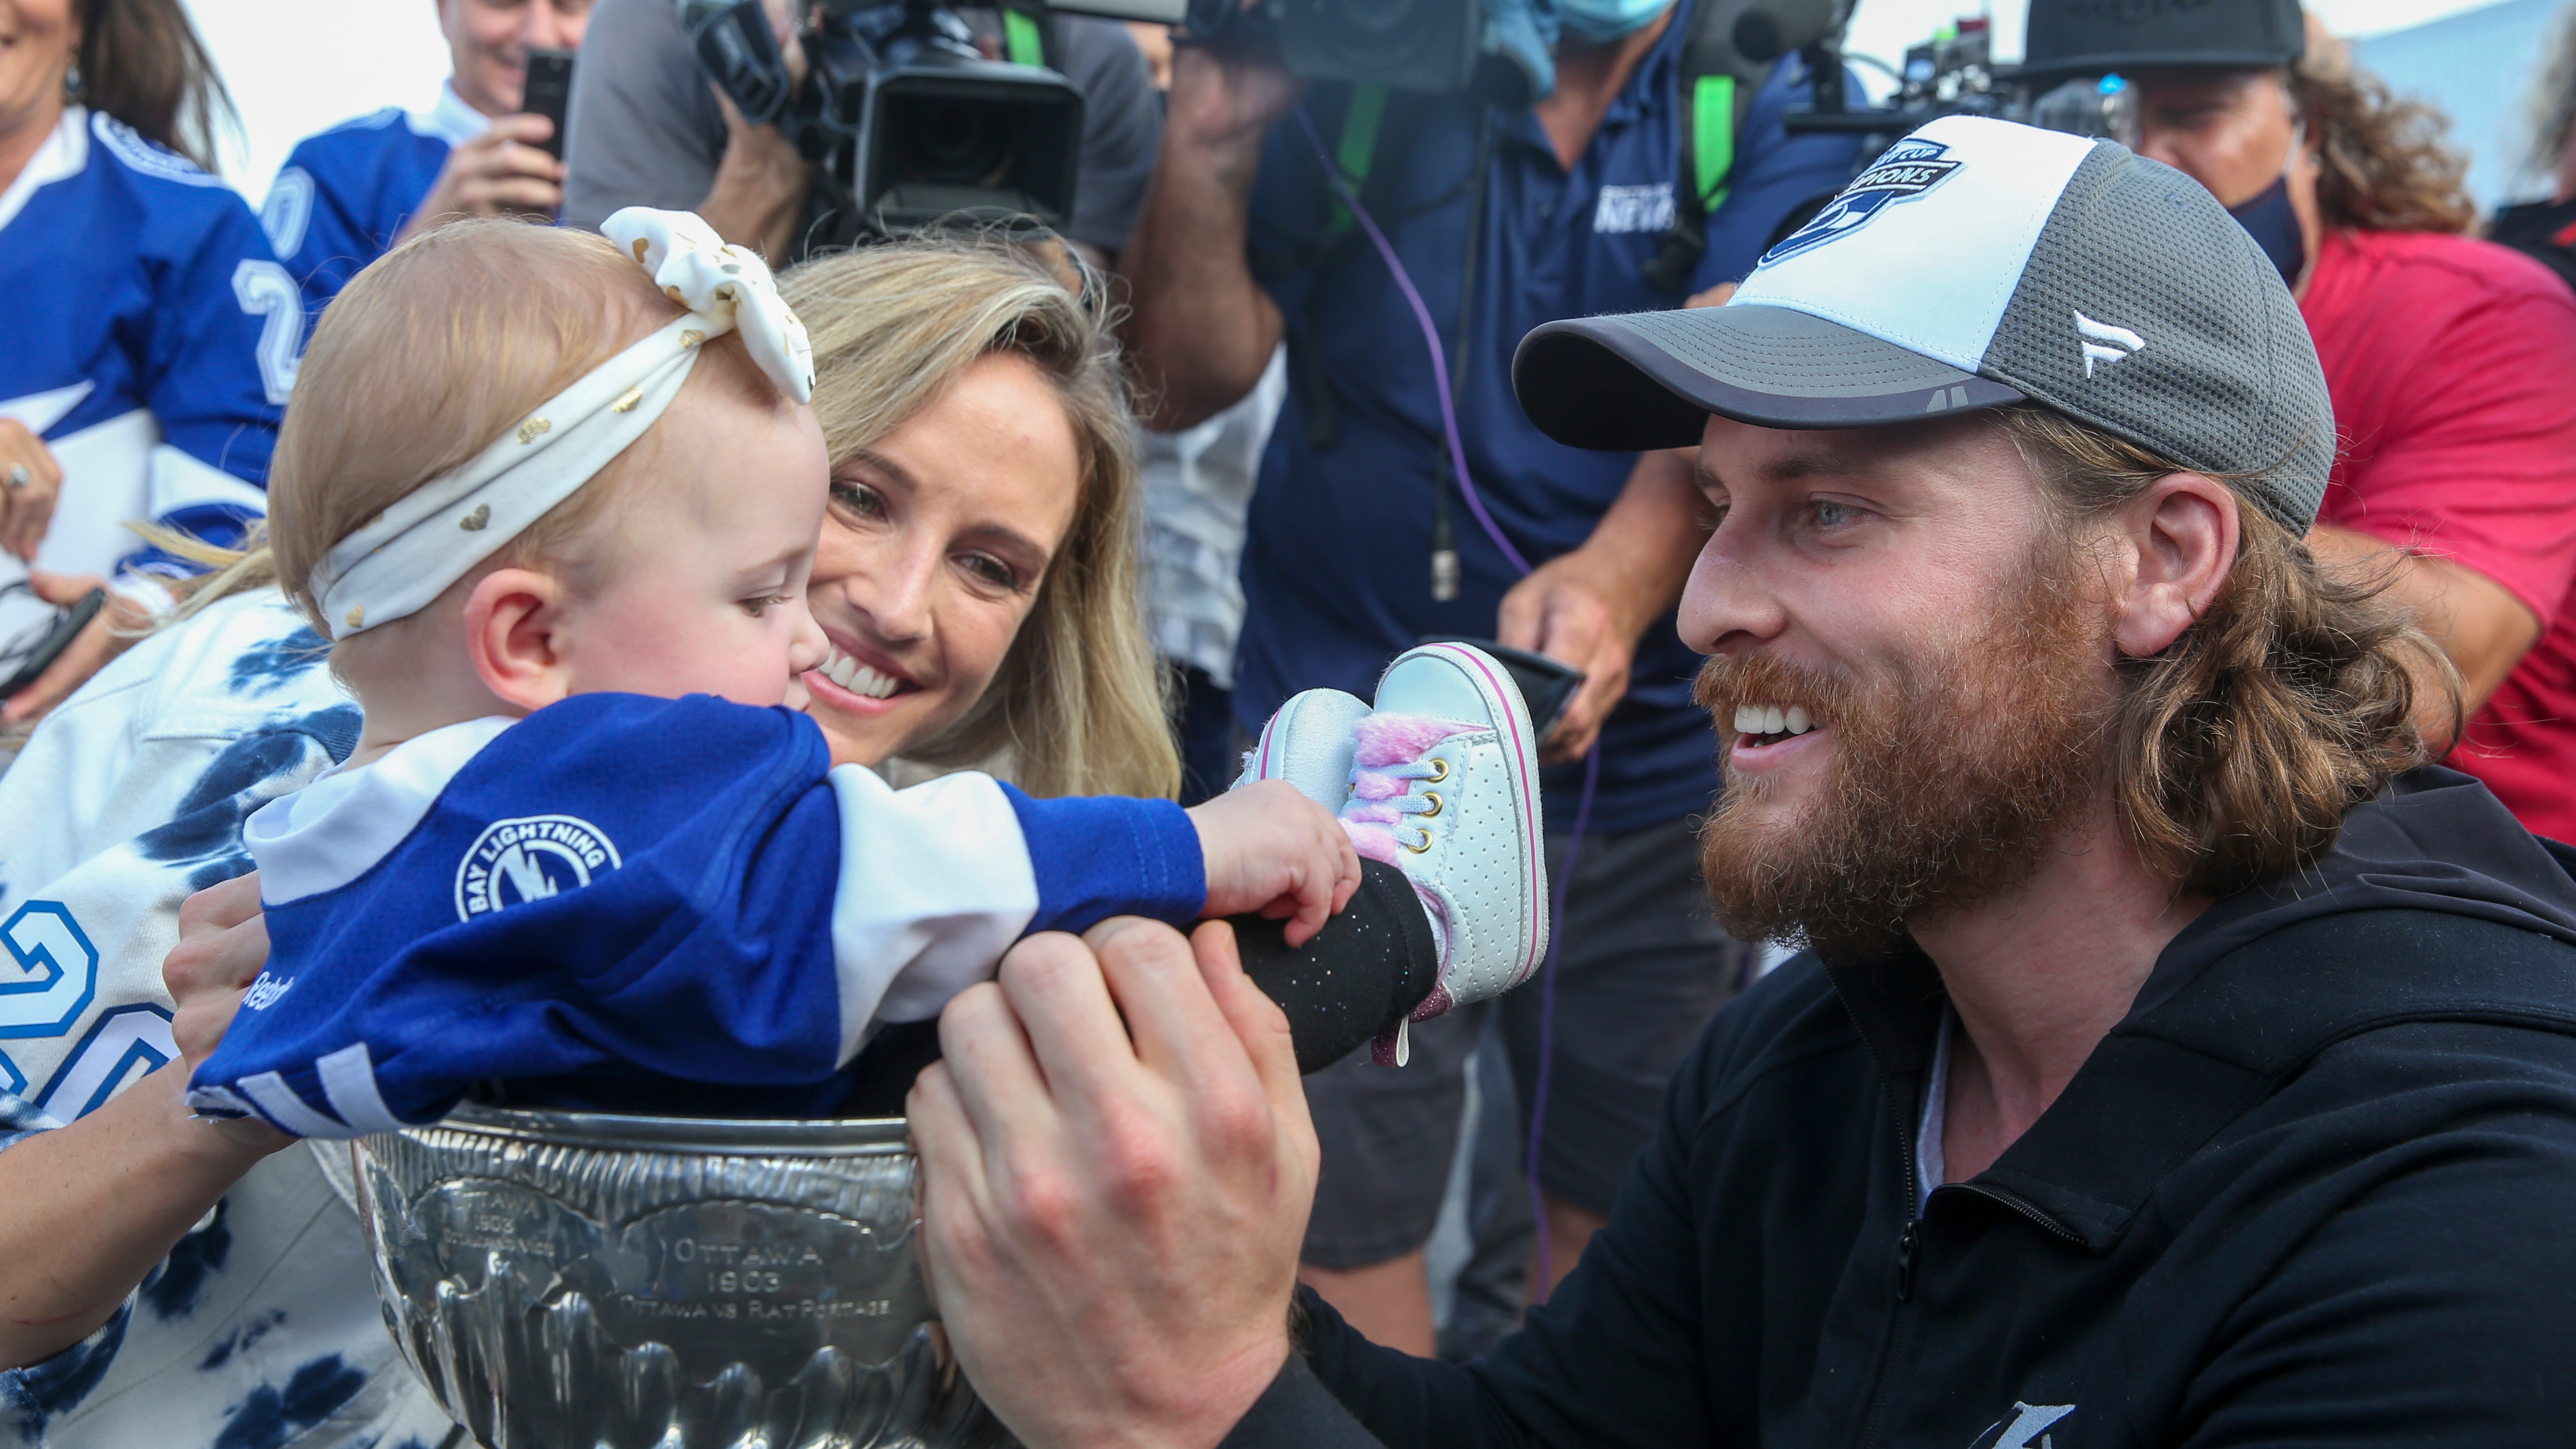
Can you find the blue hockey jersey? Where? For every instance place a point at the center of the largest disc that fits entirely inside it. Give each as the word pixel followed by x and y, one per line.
pixel 345 194
pixel 643 904
pixel 155 342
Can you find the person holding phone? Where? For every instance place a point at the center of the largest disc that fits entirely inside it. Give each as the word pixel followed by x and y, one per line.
pixel 490 145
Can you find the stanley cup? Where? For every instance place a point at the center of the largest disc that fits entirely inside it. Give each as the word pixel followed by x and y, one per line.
pixel 583 1281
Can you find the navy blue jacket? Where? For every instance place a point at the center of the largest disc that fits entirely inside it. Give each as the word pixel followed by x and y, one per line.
pixel 1337 560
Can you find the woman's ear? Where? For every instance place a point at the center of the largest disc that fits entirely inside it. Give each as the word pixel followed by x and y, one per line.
pixel 2180 540
pixel 513 620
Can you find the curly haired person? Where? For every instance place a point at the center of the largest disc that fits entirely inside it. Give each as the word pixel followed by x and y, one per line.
pixel 2448 357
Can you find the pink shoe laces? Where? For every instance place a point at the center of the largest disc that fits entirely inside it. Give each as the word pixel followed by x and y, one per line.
pixel 1387 773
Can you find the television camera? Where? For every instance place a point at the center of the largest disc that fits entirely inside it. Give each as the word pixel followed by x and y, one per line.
pixel 907 122
pixel 1954 73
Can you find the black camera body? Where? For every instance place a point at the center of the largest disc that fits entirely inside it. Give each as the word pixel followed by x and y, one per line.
pixel 935 133
pixel 1503 50
pixel 1954 74
pixel 909 125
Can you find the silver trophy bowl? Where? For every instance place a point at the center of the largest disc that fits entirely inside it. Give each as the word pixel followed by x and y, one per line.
pixel 567 1280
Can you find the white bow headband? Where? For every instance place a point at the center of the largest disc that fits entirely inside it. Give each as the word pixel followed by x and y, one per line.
pixel 411 552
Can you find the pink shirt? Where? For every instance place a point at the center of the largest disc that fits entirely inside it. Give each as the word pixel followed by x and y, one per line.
pixel 2452 366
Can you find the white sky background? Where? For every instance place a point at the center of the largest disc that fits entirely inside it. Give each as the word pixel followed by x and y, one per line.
pixel 297 66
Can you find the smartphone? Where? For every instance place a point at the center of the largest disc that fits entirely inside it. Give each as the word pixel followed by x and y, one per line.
pixel 549 92
pixel 1547 685
pixel 65 630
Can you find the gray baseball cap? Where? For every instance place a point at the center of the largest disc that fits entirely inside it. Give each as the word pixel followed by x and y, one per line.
pixel 1978 263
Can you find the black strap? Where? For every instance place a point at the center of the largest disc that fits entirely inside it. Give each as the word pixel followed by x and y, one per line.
pixel 1718 82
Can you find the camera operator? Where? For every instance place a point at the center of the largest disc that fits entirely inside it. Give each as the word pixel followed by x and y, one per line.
pixel 2449 359
pixel 1553 209
pixel 649 129
pixel 348 194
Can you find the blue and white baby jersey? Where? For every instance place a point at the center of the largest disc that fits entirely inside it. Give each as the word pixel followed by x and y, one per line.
pixel 261 1326
pixel 628 903
pixel 154 342
pixel 345 194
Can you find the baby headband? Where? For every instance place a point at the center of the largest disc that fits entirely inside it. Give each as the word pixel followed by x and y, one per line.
pixel 410 553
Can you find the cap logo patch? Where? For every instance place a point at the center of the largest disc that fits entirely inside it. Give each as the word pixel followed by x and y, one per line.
pixel 2104 342
pixel 1907 170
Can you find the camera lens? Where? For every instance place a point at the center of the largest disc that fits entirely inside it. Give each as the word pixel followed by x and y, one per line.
pixel 954 142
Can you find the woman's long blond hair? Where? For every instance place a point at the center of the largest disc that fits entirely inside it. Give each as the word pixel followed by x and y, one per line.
pixel 1077 704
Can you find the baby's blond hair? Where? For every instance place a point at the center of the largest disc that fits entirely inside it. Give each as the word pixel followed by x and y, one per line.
pixel 437 348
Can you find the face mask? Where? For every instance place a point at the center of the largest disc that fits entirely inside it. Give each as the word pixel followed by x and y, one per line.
pixel 2274 225
pixel 1603 21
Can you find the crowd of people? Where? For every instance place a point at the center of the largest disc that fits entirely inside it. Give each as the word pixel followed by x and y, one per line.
pixel 2132 581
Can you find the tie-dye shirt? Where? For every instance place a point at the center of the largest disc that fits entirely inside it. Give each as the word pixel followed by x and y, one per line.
pixel 260 1330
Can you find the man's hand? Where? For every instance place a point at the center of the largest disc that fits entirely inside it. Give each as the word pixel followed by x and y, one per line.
pixel 1199 329
pixel 1567 613
pixel 1589 607
pixel 1111 1211
pixel 1229 95
pixel 761 181
pixel 110 632
pixel 30 482
pixel 223 943
pixel 759 189
pixel 500 172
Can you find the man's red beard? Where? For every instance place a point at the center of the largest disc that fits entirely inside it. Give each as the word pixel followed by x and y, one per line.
pixel 1953 775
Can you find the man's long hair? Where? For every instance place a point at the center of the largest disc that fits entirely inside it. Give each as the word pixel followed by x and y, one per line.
pixel 2295 697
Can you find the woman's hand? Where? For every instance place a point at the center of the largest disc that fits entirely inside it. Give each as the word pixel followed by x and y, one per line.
pixel 1272 850
pixel 97 1204
pixel 223 943
pixel 30 482
pixel 109 633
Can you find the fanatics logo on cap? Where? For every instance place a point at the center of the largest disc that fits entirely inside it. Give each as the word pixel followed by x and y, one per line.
pixel 2104 342
pixel 1908 169
pixel 530 859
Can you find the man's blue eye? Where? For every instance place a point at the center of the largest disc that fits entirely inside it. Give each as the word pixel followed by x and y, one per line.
pixel 1832 514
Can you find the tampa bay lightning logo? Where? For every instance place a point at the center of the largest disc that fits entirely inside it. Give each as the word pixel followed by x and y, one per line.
pixel 529 859
pixel 1910 168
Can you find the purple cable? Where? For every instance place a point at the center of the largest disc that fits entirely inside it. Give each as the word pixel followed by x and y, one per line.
pixel 1538 1290
pixel 1430 340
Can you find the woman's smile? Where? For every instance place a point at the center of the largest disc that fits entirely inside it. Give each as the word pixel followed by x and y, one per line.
pixel 859 678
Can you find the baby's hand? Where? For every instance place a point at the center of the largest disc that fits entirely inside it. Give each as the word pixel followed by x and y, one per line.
pixel 1272 850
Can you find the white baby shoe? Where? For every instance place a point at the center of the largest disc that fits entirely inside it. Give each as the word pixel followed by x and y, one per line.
pixel 1444 786
pixel 1308 743
pixel 1439 780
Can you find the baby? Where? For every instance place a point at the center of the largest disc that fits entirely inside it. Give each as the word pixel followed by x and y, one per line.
pixel 587 847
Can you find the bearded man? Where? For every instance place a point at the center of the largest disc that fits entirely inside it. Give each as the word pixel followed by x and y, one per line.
pixel 2182 1058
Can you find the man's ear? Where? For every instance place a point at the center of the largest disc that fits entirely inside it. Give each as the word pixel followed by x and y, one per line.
pixel 2179 540
pixel 512 622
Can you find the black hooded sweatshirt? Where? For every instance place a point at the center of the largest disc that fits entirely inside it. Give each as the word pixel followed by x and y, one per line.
pixel 2317 1188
